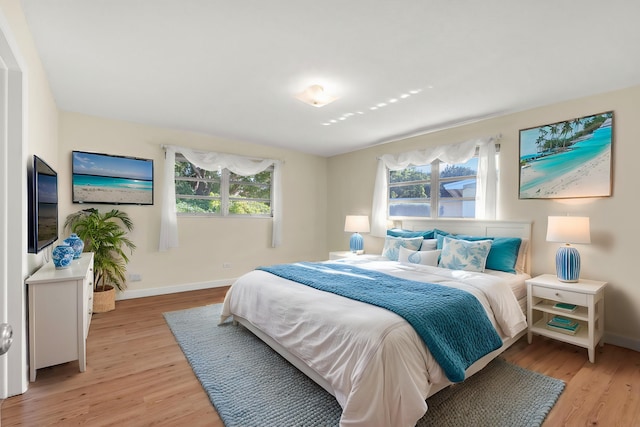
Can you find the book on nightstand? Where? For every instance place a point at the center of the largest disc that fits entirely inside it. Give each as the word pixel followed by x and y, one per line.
pixel 566 326
pixel 566 307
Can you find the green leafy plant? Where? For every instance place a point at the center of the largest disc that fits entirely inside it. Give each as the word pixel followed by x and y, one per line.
pixel 104 234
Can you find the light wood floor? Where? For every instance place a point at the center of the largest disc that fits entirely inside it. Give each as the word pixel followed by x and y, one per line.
pixel 137 376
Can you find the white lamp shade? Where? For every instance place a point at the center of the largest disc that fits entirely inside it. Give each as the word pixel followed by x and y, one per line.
pixel 568 229
pixel 356 224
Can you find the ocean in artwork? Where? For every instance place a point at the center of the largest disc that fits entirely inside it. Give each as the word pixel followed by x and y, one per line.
pixel 101 189
pixel 112 183
pixel 547 168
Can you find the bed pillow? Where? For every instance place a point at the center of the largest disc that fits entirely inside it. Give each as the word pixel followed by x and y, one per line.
pixel 439 236
pixel 429 245
pixel 503 254
pixel 464 255
pixel 419 257
pixel 392 246
pixel 521 260
pixel 398 232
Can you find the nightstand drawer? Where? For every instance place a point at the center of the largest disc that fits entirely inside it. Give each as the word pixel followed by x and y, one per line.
pixel 559 295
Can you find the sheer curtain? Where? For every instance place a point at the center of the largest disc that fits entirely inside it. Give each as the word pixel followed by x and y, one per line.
pixel 214 161
pixel 486 190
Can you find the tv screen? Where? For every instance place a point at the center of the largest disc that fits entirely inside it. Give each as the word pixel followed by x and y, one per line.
pixel 43 206
pixel 116 180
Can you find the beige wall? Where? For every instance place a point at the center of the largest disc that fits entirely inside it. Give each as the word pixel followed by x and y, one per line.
pixel 614 231
pixel 36 135
pixel 41 110
pixel 205 243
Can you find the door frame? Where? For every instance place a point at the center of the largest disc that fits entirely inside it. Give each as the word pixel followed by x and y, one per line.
pixel 13 211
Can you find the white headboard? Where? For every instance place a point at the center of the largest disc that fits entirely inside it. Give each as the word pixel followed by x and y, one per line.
pixel 474 227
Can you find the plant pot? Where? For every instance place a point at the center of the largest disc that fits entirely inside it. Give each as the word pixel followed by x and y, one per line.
pixel 104 301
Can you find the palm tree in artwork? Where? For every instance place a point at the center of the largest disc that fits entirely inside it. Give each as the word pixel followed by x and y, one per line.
pixel 539 142
pixel 576 124
pixel 554 132
pixel 566 130
pixel 541 138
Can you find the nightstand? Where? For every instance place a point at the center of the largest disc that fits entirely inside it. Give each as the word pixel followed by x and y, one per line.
pixel 341 255
pixel 544 291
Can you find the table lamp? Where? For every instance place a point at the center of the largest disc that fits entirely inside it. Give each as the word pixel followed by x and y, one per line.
pixel 567 230
pixel 356 224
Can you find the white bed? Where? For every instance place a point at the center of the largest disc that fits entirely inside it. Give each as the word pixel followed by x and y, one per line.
pixel 371 359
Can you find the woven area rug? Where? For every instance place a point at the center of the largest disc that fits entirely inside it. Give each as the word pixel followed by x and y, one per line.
pixel 251 385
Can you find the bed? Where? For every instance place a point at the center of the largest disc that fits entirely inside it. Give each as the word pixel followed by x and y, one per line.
pixel 370 358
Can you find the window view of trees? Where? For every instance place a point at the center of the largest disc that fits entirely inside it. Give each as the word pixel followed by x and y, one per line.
pixel 250 195
pixel 199 191
pixel 410 192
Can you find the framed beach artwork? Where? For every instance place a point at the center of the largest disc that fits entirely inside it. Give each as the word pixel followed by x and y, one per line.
pixel 567 159
pixel 111 179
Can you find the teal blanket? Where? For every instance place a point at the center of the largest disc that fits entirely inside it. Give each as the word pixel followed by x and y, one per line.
pixel 451 322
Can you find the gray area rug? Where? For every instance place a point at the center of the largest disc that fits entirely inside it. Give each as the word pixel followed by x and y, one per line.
pixel 251 385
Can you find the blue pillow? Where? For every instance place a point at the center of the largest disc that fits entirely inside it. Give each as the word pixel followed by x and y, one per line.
pixel 503 254
pixel 440 235
pixel 397 232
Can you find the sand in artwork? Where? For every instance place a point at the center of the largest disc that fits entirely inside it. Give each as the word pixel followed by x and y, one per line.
pixel 589 179
pixel 92 194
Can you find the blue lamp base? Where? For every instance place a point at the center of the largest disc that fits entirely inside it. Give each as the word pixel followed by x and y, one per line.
pixel 568 264
pixel 356 243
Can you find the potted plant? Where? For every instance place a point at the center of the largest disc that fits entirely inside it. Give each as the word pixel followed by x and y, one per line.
pixel 104 234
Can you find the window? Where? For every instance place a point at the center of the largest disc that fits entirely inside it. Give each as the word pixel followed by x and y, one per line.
pixel 411 190
pixel 221 193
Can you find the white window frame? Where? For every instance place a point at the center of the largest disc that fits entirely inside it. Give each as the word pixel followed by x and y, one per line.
pixel 486 190
pixel 434 199
pixel 224 198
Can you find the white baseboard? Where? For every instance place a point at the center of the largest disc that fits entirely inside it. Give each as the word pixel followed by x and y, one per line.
pixel 150 292
pixel 622 341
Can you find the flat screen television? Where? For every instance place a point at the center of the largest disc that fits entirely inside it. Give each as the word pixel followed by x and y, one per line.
pixel 111 179
pixel 42 206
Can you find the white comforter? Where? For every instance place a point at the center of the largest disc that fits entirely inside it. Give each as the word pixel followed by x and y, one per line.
pixel 379 368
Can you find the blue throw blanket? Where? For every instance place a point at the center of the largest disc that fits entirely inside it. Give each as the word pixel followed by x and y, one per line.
pixel 452 322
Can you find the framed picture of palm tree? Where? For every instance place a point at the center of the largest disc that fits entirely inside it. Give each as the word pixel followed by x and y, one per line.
pixel 567 159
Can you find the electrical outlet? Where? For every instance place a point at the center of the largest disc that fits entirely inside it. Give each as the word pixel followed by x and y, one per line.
pixel 226 265
pixel 135 277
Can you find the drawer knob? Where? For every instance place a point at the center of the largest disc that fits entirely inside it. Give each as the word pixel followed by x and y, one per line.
pixel 557 294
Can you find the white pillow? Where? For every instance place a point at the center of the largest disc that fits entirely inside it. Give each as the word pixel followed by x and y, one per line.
pixel 429 245
pixel 521 262
pixel 392 245
pixel 419 257
pixel 464 255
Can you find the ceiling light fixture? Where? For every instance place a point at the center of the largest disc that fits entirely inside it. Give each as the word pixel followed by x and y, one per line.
pixel 316 96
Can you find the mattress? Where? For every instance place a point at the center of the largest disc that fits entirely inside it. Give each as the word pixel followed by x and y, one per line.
pixel 377 367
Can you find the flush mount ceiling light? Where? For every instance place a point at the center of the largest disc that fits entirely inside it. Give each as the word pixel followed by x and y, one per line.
pixel 316 96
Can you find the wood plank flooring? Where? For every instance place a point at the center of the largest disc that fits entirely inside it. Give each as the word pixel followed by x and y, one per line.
pixel 138 376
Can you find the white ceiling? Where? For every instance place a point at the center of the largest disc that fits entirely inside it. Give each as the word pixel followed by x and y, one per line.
pixel 232 68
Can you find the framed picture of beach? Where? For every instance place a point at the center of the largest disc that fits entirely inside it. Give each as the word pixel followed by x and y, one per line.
pixel 568 159
pixel 111 179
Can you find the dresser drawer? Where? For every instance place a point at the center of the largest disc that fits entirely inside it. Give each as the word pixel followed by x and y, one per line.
pixel 559 295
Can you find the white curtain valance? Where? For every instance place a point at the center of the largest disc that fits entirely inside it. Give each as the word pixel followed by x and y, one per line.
pixel 486 191
pixel 212 161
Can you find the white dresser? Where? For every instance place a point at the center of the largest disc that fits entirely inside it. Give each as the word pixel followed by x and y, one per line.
pixel 60 304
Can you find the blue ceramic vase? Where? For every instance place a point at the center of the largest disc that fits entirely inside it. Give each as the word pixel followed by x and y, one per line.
pixel 62 256
pixel 76 243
